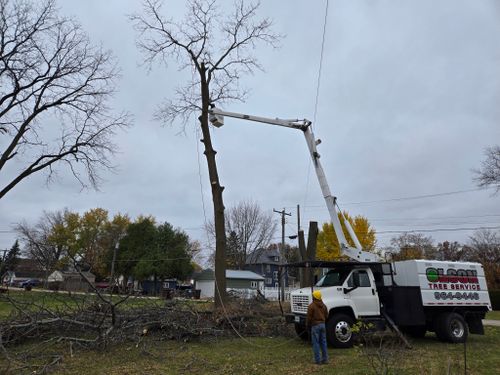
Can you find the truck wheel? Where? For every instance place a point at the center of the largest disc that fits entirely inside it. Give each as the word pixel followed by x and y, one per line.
pixel 455 328
pixel 339 331
pixel 302 332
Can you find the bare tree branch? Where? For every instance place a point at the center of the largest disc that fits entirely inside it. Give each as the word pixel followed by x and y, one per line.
pixel 248 230
pixel 489 173
pixel 52 80
pixel 193 42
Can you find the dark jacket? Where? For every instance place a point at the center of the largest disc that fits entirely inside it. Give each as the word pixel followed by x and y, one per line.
pixel 316 313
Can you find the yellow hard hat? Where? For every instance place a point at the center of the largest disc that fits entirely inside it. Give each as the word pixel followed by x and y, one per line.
pixel 317 294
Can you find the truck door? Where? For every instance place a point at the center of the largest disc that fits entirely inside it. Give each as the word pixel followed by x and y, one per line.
pixel 360 289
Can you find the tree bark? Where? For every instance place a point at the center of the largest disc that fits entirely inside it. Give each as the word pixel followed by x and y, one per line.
pixel 220 231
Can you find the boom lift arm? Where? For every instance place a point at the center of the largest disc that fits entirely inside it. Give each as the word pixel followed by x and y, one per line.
pixel 355 253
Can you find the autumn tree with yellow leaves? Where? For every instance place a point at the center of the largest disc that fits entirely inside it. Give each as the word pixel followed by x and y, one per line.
pixel 328 244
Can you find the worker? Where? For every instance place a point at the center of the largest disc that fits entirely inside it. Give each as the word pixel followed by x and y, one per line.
pixel 316 318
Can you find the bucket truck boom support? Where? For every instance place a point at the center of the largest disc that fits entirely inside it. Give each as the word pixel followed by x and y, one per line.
pixel 355 253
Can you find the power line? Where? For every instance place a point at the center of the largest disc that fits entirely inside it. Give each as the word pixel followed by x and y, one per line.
pixel 415 197
pixel 316 101
pixel 436 217
pixel 437 230
pixel 320 68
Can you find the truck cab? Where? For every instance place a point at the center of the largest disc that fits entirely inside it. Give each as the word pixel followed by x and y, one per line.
pixel 349 292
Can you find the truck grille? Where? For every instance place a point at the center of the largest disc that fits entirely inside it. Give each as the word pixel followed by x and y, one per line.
pixel 300 304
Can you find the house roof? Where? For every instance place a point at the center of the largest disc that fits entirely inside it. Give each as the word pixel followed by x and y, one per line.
pixel 230 274
pixel 263 256
pixel 88 275
pixel 30 274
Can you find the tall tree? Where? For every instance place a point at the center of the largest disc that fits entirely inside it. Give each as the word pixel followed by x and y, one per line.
pixel 248 229
pixel 489 173
pixel 484 247
pixel 49 240
pixel 328 244
pixel 63 237
pixel 9 259
pixel 217 49
pixel 54 93
pixel 137 242
pixel 158 251
pixel 452 251
pixel 413 246
pixel 92 240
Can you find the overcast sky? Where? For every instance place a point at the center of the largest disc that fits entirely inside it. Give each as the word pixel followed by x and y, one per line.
pixel 409 98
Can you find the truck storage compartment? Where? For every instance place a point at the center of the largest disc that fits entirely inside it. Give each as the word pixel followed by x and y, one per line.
pixel 404 305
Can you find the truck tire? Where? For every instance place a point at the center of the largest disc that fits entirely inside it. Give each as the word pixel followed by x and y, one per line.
pixel 302 331
pixel 455 328
pixel 339 331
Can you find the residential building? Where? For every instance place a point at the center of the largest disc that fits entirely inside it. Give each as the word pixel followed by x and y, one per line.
pixel 266 262
pixel 245 282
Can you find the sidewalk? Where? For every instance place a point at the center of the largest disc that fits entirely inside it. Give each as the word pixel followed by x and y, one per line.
pixel 488 322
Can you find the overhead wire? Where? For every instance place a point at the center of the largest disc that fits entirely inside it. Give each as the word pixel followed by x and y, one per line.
pixel 400 199
pixel 318 85
pixel 438 230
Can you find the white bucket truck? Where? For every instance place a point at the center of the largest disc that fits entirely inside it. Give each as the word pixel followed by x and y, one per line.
pixel 448 298
pixel 414 296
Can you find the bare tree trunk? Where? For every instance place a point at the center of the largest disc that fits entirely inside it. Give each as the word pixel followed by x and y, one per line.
pixel 220 231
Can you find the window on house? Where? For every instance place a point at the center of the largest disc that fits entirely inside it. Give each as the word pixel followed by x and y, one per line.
pixel 268 268
pixel 269 281
pixel 254 284
pixel 275 275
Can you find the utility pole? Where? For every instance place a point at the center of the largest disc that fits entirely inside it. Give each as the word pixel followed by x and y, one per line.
pixel 298 218
pixel 282 255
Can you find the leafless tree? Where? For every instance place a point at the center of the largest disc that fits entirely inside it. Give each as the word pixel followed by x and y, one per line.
pixel 450 251
pixel 489 173
pixel 38 240
pixel 484 247
pixel 413 246
pixel 216 49
pixel 248 229
pixel 54 89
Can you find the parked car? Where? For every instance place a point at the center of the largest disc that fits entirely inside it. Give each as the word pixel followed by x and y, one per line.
pixel 30 283
pixel 106 285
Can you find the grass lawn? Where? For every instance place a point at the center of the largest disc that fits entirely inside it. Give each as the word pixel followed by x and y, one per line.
pixel 494 315
pixel 20 300
pixel 277 356
pixel 245 356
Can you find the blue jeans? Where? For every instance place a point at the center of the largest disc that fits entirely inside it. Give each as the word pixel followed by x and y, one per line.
pixel 318 334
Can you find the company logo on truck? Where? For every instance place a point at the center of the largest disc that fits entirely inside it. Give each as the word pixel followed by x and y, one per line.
pixel 454 280
pixel 452 275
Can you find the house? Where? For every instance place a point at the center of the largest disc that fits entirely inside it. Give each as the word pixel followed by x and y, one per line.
pixel 154 287
pixel 266 262
pixel 24 269
pixel 71 281
pixel 246 282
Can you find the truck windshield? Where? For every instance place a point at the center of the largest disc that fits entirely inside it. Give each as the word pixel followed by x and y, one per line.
pixel 333 278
